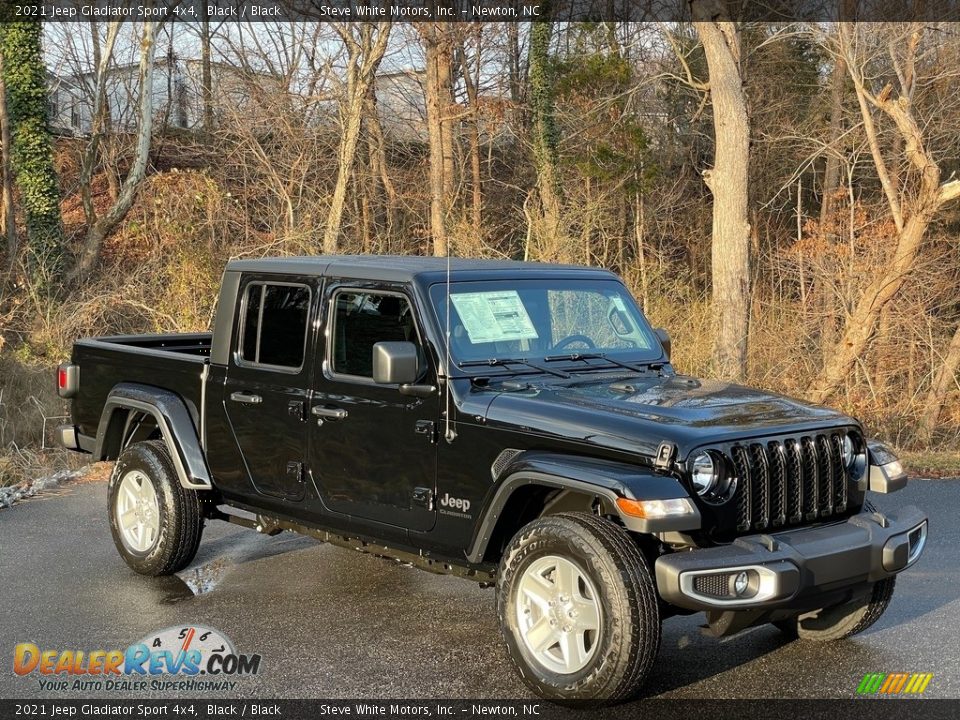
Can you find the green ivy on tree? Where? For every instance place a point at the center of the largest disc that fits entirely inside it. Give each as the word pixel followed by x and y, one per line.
pixel 31 156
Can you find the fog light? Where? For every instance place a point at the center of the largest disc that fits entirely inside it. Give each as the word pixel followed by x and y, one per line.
pixel 741 583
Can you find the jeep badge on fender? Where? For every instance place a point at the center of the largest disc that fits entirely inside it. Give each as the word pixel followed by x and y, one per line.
pixel 458 504
pixel 514 423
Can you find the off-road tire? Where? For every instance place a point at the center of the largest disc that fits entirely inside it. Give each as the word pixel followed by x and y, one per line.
pixel 630 631
pixel 180 511
pixel 842 621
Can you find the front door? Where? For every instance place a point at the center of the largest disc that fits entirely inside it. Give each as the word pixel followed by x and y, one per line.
pixel 266 393
pixel 373 452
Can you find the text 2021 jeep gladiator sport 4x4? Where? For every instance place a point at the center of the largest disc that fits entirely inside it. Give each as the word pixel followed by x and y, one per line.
pixel 514 423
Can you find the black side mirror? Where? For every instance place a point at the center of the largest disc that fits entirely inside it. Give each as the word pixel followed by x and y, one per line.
pixel 664 337
pixel 395 363
pixel 398 363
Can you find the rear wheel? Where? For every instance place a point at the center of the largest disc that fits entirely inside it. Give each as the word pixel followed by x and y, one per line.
pixel 156 522
pixel 578 609
pixel 841 621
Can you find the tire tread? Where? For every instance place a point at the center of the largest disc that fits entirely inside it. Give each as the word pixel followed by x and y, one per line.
pixel 642 623
pixel 182 529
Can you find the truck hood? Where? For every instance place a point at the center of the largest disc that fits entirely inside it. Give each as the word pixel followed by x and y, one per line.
pixel 638 414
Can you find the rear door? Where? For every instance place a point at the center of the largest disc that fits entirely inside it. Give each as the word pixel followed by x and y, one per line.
pixel 267 389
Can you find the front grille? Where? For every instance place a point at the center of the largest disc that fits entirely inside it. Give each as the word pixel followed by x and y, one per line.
pixel 789 481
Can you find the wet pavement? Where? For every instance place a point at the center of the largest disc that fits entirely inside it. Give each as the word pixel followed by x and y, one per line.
pixel 330 622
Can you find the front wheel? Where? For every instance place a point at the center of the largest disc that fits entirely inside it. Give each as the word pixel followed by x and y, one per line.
pixel 841 621
pixel 156 522
pixel 578 609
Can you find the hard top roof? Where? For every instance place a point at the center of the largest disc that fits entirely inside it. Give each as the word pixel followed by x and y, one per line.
pixel 404 268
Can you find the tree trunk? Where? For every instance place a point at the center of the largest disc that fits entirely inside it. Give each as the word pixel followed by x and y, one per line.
pixel 862 322
pixel 205 70
pixel 98 232
pixel 513 60
pixel 345 160
pixel 364 56
pixel 91 154
pixel 727 181
pixel 6 200
pixel 438 92
pixel 544 132
pixel 473 133
pixel 24 74
pixel 942 383
pixel 377 153
pixel 831 173
pixel 102 110
pixel 838 80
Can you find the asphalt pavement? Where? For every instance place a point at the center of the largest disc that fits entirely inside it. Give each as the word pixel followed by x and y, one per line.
pixel 333 623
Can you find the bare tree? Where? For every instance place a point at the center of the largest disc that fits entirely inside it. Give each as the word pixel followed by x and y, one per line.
pixel 438 91
pixel 470 67
pixel 366 43
pixel 838 82
pixel 6 201
pixel 206 81
pixel 103 57
pixel 728 183
pixel 103 226
pixel 943 381
pixel 912 204
pixel 378 172
pixel 544 130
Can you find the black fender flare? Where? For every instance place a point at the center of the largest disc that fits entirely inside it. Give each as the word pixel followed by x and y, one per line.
pixel 174 421
pixel 604 479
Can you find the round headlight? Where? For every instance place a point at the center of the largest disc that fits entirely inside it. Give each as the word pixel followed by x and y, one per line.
pixel 849 451
pixel 703 473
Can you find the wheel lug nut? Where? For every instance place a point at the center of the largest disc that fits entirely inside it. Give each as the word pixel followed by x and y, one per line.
pixel 567 628
pixel 573 613
pixel 553 623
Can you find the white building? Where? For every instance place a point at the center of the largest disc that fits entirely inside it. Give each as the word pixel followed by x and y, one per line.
pixel 236 93
pixel 177 95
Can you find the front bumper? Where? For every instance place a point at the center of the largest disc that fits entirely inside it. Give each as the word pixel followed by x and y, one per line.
pixel 792 568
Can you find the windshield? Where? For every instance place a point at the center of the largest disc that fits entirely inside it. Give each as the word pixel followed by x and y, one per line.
pixel 543 320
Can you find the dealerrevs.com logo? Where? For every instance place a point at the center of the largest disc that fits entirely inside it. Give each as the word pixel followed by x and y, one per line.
pixel 191 658
pixel 894 684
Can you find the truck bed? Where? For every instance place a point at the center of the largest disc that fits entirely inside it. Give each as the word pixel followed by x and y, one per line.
pixel 173 362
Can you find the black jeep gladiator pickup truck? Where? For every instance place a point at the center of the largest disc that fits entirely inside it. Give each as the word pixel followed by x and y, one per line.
pixel 514 423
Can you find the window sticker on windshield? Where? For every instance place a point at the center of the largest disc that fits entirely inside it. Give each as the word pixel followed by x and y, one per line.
pixel 494 316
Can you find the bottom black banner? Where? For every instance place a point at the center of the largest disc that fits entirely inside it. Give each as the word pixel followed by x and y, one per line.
pixel 854 709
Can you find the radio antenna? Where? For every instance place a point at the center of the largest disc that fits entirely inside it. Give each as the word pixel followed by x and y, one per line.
pixel 449 433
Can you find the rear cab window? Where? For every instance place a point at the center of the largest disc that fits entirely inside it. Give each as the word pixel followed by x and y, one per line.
pixel 273 326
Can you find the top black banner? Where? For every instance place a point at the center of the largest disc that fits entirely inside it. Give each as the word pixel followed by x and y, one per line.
pixel 482 10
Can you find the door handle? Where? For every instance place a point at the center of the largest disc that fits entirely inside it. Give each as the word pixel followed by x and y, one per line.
pixel 247 398
pixel 328 413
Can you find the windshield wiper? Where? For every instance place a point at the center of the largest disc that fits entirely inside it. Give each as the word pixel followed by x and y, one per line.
pixel 492 362
pixel 602 356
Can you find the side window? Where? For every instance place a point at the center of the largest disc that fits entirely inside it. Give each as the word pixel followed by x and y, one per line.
pixel 361 320
pixel 275 324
